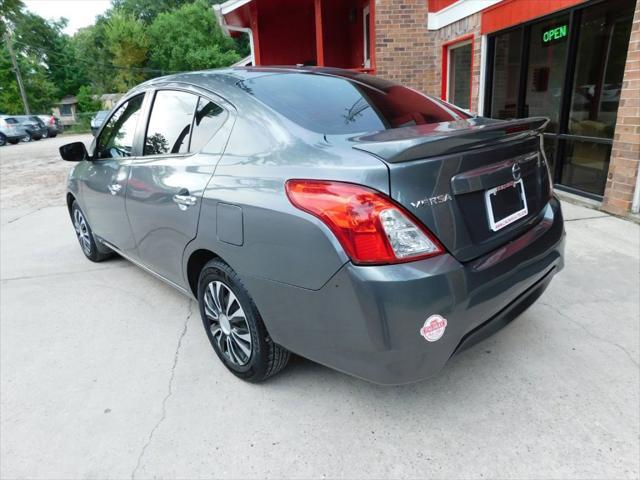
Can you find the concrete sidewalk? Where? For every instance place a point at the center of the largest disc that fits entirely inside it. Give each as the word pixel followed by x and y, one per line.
pixel 107 372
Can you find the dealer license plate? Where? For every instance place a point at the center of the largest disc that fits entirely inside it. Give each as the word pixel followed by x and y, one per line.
pixel 505 204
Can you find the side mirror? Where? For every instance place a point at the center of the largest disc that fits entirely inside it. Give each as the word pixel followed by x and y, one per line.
pixel 74 152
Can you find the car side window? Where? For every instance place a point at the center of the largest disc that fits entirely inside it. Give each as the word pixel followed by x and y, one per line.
pixel 209 118
pixel 116 139
pixel 170 123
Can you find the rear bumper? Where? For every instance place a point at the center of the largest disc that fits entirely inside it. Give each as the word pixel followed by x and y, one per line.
pixel 366 321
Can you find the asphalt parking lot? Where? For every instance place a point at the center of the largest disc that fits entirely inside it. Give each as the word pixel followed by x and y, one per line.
pixel 107 372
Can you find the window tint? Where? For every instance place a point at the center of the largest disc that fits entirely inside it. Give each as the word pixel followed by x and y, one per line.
pixel 10 120
pixel 170 123
pixel 209 119
pixel 336 105
pixel 118 134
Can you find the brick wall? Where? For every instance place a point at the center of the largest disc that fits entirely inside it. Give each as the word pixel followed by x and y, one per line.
pixel 407 52
pixel 625 154
pixel 403 46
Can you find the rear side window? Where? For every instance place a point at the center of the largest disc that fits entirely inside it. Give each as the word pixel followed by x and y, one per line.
pixel 337 105
pixel 208 120
pixel 11 121
pixel 170 123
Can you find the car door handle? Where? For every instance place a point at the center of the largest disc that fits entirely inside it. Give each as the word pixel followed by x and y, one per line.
pixel 114 188
pixel 184 200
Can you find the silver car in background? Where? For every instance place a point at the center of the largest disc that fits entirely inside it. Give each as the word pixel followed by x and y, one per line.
pixel 324 212
pixel 11 131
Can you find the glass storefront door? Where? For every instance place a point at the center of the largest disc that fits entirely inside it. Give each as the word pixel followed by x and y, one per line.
pixel 567 67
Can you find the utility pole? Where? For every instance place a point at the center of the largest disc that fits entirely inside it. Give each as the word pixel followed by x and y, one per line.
pixel 23 94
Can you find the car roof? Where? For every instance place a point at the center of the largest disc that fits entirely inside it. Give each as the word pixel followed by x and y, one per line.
pixel 225 81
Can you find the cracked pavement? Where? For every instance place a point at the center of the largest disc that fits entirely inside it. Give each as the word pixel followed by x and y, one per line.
pixel 106 372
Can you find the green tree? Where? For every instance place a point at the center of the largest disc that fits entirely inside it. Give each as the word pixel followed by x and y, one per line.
pixel 9 11
pixel 147 10
pixel 189 38
pixel 87 100
pixel 128 43
pixel 94 58
pixel 44 42
pixel 40 90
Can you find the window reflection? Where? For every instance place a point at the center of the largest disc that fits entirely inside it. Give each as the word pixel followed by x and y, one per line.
pixel 602 52
pixel 170 123
pixel 545 73
pixel 118 134
pixel 336 105
pixel 209 118
pixel 459 88
pixel 506 72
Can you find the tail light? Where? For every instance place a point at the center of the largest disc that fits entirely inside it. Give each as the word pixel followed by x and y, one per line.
pixel 371 228
pixel 52 121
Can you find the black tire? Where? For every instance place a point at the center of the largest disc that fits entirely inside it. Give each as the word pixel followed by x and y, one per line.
pixel 266 358
pixel 85 236
pixel 14 141
pixel 53 135
pixel 26 138
pixel 45 134
pixel 3 140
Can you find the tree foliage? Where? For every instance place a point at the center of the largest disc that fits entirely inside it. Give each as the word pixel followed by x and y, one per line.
pixel 88 100
pixel 132 41
pixel 128 43
pixel 199 46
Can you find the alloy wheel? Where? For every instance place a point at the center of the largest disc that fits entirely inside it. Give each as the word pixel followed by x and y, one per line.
pixel 228 323
pixel 82 231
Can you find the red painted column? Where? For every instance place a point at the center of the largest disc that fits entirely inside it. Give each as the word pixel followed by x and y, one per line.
pixel 319 40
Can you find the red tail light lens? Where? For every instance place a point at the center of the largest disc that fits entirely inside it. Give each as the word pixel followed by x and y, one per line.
pixel 369 225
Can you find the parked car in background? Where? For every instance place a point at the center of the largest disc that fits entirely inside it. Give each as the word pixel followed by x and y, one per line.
pixel 10 130
pixel 35 128
pixel 98 120
pixel 54 127
pixel 337 215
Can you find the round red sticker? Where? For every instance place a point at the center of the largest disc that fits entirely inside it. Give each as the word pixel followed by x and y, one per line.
pixel 433 328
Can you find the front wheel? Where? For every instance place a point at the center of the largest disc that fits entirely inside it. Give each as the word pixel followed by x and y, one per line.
pixel 3 140
pixel 85 235
pixel 26 138
pixel 234 326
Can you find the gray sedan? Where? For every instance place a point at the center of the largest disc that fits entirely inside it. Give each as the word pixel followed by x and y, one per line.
pixel 324 212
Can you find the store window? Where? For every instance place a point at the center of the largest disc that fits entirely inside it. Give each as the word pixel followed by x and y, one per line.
pixel 545 72
pixel 458 67
pixel 506 71
pixel 567 67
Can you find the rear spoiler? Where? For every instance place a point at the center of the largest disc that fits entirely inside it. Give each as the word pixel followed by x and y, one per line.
pixel 431 140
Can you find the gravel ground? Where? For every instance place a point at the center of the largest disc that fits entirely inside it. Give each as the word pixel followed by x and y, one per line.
pixel 32 175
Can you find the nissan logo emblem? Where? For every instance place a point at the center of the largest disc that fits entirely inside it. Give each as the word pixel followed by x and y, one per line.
pixel 515 171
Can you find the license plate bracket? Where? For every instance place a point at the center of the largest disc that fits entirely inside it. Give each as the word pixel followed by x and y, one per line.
pixel 505 204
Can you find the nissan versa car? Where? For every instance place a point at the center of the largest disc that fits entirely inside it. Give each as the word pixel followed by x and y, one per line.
pixel 324 212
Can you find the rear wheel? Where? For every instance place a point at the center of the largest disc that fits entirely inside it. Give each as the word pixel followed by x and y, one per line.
pixel 85 235
pixel 234 326
pixel 26 138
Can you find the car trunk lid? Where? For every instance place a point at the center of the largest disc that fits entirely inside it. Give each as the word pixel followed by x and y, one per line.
pixel 476 183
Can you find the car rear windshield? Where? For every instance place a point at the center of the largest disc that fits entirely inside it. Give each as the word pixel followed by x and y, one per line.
pixel 337 105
